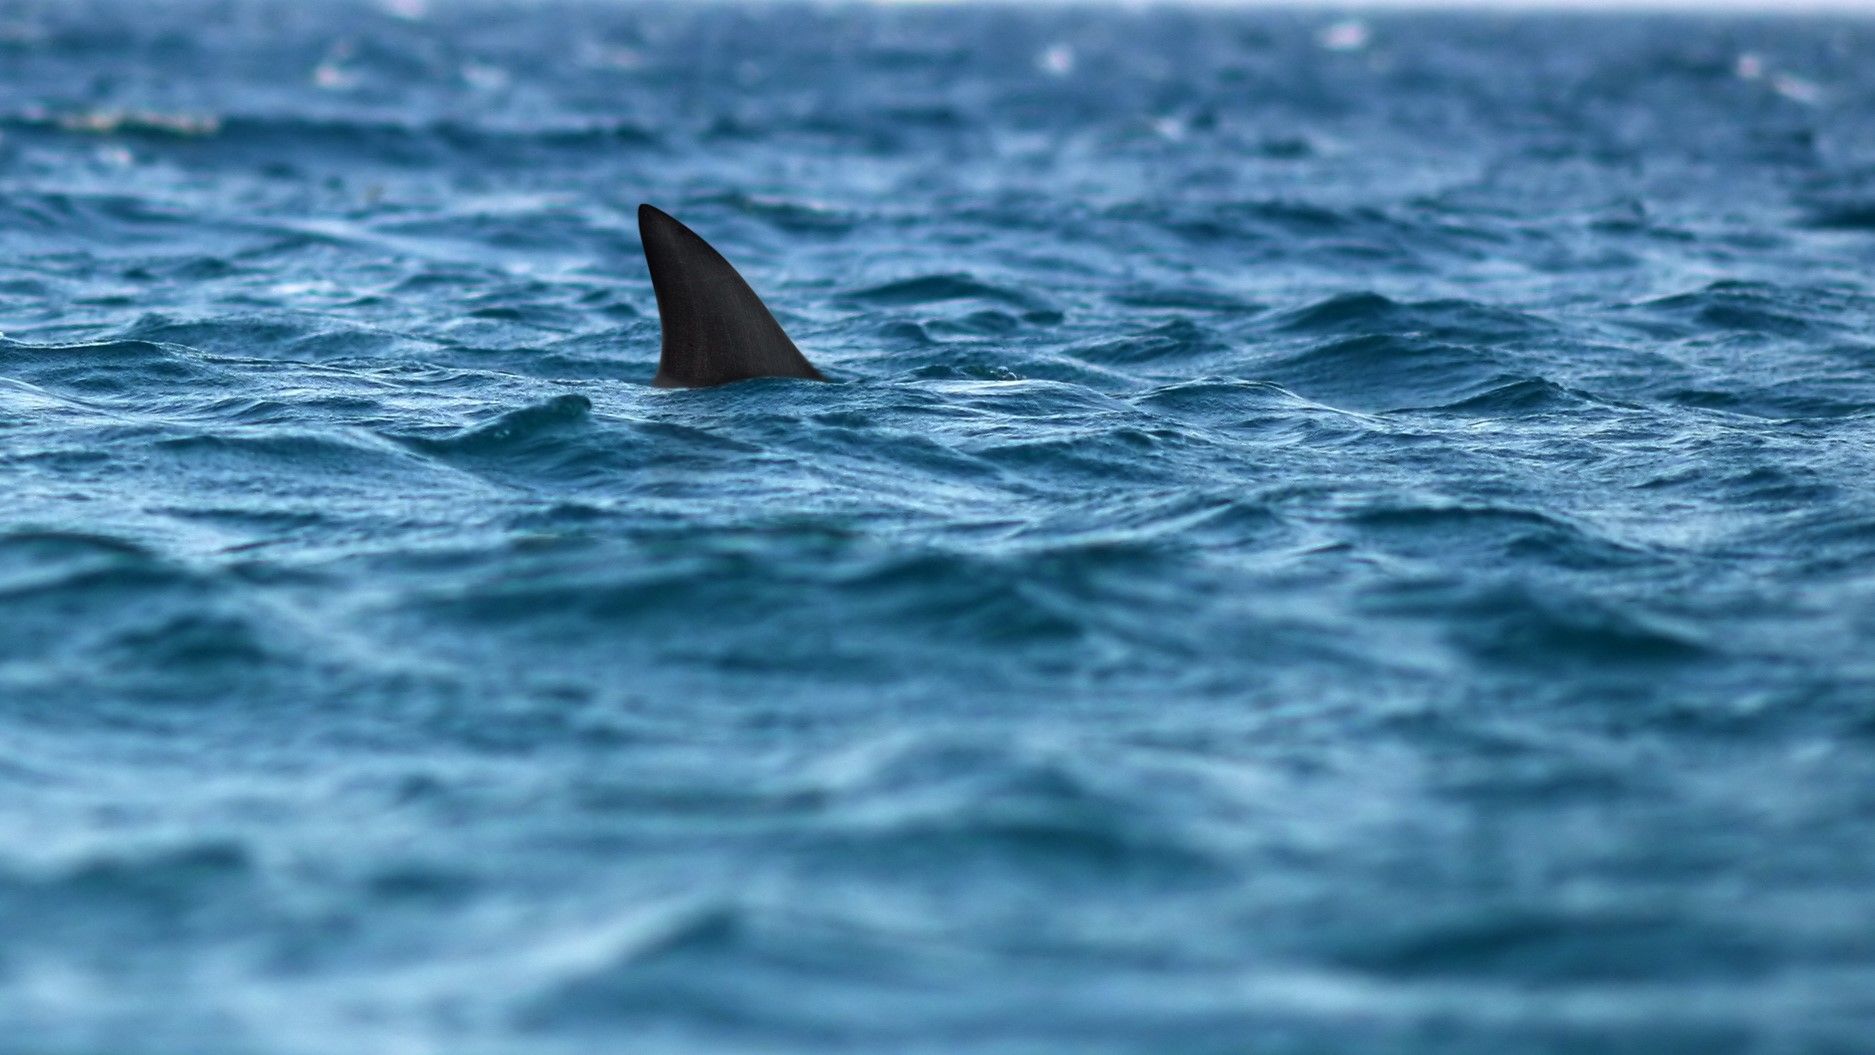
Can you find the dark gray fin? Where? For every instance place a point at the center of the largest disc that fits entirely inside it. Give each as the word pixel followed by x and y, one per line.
pixel 716 330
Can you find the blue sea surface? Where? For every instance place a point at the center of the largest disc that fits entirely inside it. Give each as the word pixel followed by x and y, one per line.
pixel 1328 533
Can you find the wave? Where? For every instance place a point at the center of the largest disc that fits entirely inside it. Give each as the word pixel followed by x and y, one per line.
pixel 1363 314
pixel 515 431
pixel 1387 372
pixel 1748 307
pixel 937 289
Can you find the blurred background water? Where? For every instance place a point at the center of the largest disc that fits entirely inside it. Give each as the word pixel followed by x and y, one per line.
pixel 1329 534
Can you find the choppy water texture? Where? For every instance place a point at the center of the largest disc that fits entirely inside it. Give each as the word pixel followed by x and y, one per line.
pixel 1328 536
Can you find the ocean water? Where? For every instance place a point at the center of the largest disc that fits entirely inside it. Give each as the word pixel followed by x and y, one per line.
pixel 1327 535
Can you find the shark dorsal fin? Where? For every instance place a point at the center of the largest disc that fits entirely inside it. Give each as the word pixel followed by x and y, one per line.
pixel 716 330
